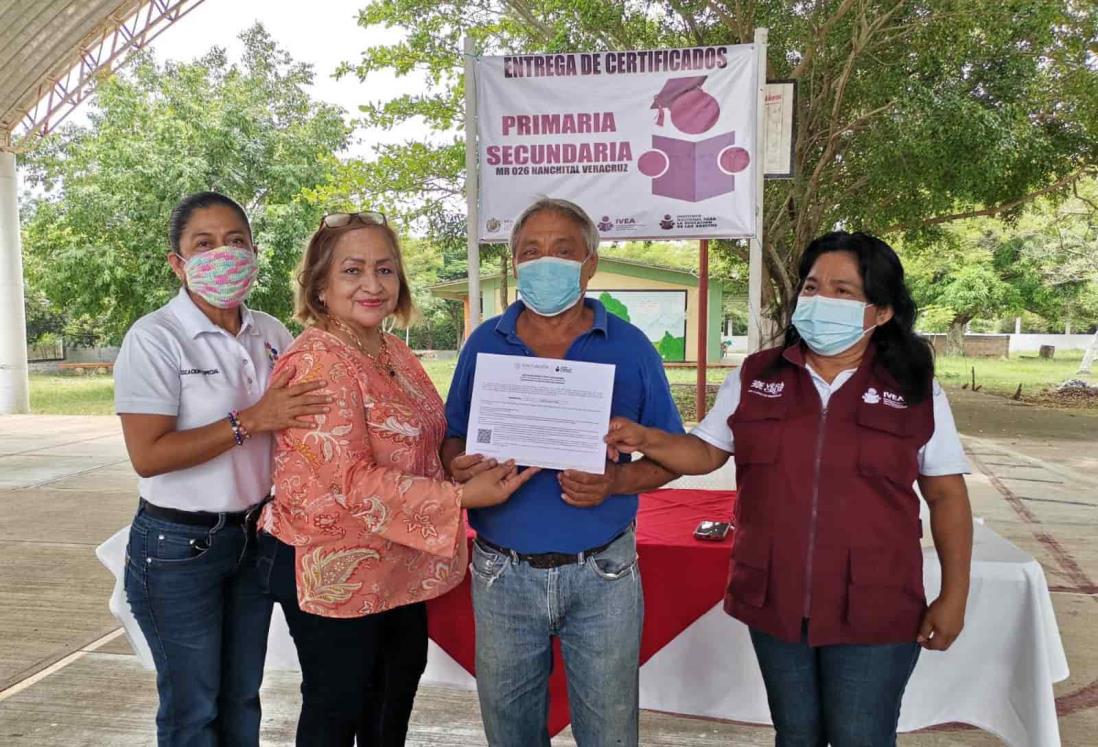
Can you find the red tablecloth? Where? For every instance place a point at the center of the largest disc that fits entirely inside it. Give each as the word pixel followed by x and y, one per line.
pixel 682 579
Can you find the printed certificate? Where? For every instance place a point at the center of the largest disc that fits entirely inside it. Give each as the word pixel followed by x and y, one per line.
pixel 541 412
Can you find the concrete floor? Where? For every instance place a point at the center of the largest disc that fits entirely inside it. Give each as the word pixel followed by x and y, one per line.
pixel 67 679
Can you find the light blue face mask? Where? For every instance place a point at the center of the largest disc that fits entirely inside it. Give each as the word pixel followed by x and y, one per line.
pixel 829 326
pixel 549 285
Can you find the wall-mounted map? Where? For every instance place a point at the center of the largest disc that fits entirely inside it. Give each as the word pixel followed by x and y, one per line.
pixel 661 315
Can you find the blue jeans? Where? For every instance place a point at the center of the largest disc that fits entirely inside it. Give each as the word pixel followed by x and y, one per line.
pixel 195 593
pixel 595 608
pixel 842 695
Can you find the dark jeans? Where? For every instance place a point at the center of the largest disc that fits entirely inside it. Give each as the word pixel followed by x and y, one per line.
pixel 358 675
pixel 399 665
pixel 196 595
pixel 843 695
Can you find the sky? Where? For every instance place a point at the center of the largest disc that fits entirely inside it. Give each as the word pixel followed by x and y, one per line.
pixel 323 33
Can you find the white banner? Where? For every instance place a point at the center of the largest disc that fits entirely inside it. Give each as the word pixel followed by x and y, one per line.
pixel 781 107
pixel 654 144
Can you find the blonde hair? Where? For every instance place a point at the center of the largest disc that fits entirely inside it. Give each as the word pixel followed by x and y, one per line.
pixel 312 273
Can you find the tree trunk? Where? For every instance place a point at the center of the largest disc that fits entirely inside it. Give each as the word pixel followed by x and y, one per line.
pixel 503 281
pixel 1088 357
pixel 955 336
pixel 457 320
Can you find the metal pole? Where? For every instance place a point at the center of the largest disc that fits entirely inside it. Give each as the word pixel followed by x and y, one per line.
pixel 703 326
pixel 755 336
pixel 14 386
pixel 471 184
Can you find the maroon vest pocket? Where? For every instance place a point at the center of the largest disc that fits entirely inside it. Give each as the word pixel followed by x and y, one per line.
pixel 880 598
pixel 756 440
pixel 885 446
pixel 750 568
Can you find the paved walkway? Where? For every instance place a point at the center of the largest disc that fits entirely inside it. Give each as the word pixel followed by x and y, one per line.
pixel 67 678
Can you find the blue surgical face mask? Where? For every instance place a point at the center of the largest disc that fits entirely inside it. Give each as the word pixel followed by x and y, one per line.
pixel 549 285
pixel 829 326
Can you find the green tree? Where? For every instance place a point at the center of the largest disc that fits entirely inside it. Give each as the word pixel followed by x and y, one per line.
pixel 1041 263
pixel 95 243
pixel 911 114
pixel 43 318
pixel 1050 254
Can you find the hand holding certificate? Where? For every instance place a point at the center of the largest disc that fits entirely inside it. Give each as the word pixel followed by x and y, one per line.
pixel 541 412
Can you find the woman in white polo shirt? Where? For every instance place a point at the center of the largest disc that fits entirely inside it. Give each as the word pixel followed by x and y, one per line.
pixel 191 388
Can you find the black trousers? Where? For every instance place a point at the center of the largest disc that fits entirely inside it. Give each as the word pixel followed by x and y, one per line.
pixel 358 675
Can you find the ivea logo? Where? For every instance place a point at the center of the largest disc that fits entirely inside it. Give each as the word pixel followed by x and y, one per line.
pixel 871 396
pixel 894 400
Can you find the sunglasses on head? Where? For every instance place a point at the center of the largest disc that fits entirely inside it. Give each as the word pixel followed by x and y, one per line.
pixel 338 220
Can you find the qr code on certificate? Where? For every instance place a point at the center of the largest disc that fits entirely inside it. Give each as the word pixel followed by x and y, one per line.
pixel 484 435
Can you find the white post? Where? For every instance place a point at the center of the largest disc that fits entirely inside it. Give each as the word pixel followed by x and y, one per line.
pixel 755 254
pixel 1017 325
pixel 1088 356
pixel 14 387
pixel 472 183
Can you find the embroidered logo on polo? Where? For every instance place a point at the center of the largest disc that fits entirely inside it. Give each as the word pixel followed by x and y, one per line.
pixel 199 371
pixel 272 352
pixel 891 399
pixel 769 389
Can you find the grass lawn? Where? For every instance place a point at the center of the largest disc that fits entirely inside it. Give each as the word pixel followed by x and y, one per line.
pixel 441 372
pixel 72 395
pixel 94 395
pixel 1002 377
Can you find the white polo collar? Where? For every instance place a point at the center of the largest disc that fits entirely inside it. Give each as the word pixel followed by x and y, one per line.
pixel 195 322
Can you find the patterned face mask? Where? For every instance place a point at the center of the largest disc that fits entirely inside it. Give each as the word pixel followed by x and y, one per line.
pixel 222 277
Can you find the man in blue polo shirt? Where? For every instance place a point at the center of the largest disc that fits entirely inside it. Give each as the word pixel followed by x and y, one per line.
pixel 559 558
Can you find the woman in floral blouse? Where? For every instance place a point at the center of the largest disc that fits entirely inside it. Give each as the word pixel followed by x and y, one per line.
pixel 364 527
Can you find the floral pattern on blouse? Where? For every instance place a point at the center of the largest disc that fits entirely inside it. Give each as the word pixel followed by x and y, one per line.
pixel 363 497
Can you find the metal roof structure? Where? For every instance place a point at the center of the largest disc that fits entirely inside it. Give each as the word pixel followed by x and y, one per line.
pixel 51 52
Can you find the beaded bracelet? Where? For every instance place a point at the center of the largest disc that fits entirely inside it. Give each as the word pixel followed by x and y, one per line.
pixel 240 433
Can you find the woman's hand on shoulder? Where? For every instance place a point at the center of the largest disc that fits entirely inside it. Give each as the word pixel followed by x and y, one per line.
pixel 286 405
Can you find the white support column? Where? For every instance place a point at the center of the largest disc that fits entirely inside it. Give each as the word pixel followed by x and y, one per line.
pixel 14 387
pixel 472 182
pixel 755 321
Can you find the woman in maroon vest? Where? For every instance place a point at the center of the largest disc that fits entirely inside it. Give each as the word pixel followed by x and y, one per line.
pixel 830 432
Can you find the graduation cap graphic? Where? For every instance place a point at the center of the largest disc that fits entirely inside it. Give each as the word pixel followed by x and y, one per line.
pixel 692 110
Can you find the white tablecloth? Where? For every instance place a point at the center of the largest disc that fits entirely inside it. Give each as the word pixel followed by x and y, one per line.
pixel 997 676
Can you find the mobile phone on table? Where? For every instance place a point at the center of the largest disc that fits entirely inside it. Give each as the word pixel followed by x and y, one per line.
pixel 712 530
